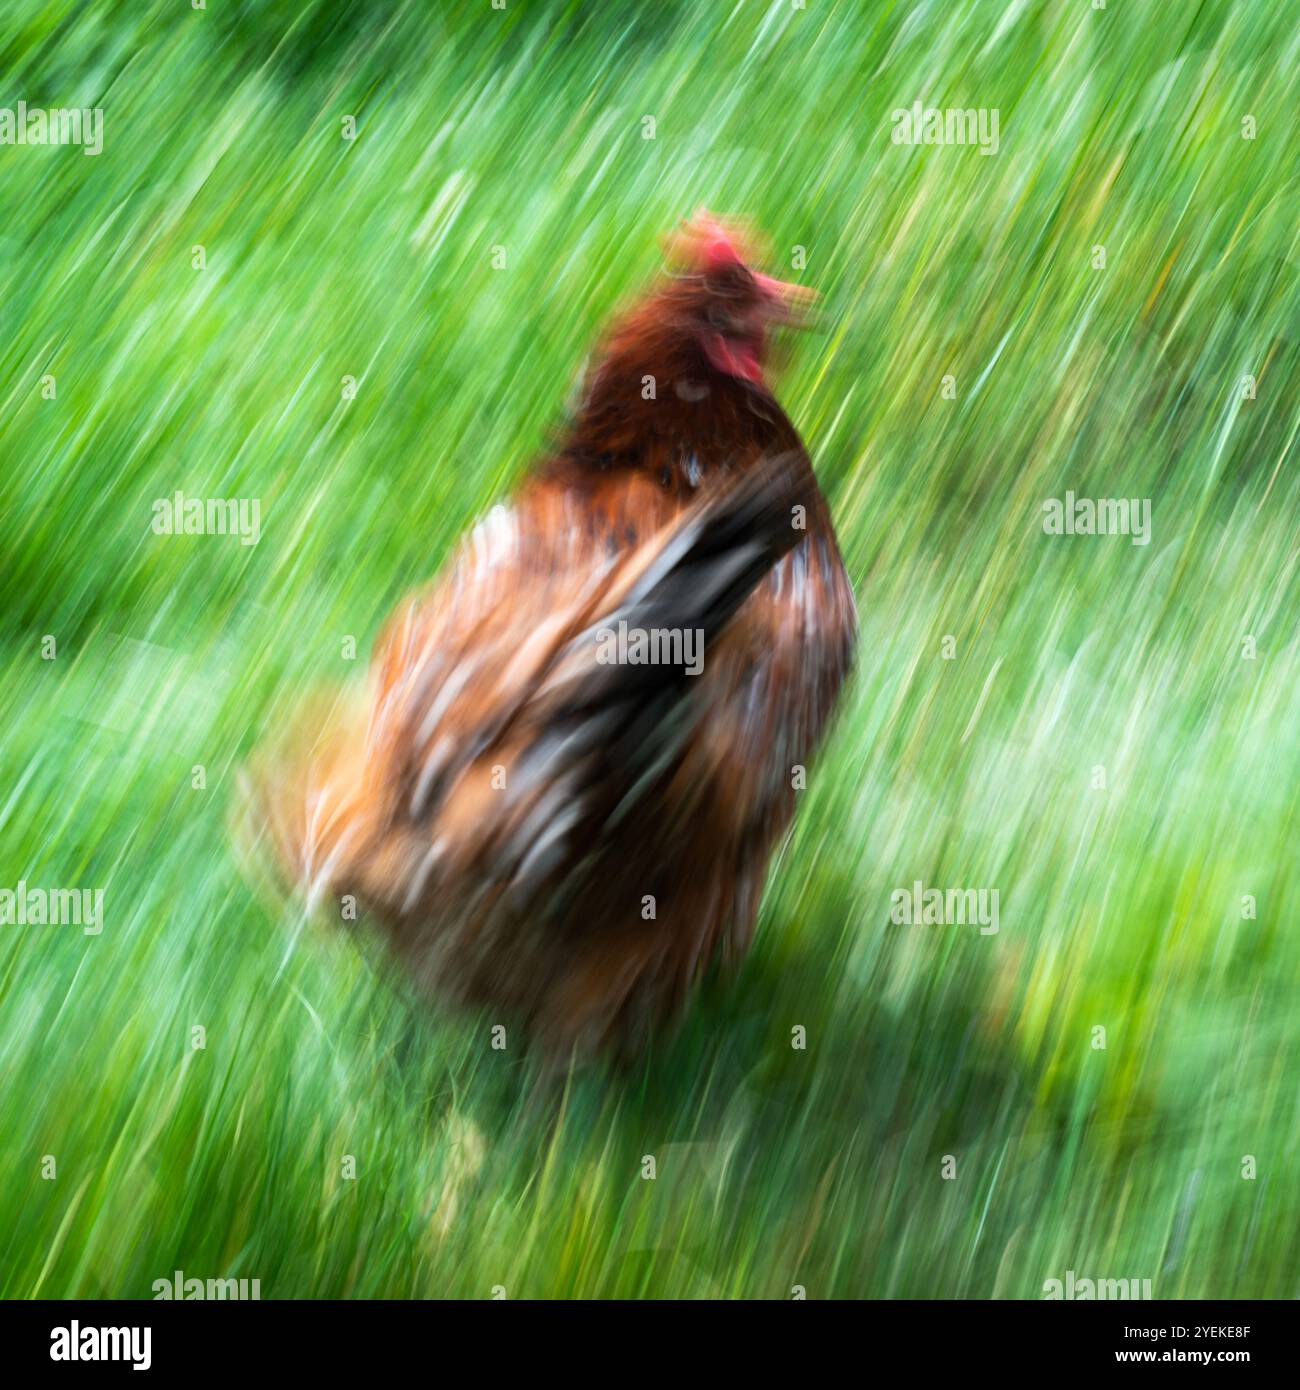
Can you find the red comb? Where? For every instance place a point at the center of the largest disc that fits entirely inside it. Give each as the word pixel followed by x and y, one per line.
pixel 708 243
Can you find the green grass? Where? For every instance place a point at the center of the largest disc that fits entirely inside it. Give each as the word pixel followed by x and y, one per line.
pixel 1120 907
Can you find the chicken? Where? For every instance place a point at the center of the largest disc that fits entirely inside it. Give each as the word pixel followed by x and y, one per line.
pixel 581 746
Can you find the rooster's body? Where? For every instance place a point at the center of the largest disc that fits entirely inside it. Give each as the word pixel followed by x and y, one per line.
pixel 563 838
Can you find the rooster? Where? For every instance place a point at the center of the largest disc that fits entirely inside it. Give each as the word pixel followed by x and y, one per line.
pixel 544 823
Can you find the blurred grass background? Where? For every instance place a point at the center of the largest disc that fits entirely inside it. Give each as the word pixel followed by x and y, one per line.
pixel 372 258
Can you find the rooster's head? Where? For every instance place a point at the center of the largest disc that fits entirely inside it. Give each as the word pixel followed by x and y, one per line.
pixel 726 303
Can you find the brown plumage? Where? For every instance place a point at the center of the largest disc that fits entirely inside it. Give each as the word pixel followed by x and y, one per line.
pixel 568 839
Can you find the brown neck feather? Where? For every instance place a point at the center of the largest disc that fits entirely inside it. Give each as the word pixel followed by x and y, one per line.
pixel 654 402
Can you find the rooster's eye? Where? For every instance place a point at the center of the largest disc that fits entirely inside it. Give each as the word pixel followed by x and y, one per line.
pixel 723 319
pixel 731 282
